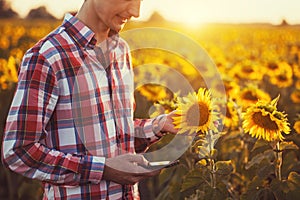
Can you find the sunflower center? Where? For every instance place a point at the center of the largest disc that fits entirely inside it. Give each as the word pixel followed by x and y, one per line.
pixel 228 87
pixel 248 95
pixel 273 66
pixel 197 114
pixel 264 121
pixel 248 69
pixel 282 78
pixel 228 113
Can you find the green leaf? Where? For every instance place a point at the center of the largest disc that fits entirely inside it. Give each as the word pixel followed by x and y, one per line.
pixel 265 169
pixel 255 190
pixel 294 177
pixel 287 189
pixel 269 155
pixel 232 135
pixel 279 188
pixel 196 196
pixel 224 167
pixel 265 193
pixel 165 176
pixel 260 146
pixel 255 183
pixel 193 179
pixel 203 152
pixel 213 153
pixel 288 146
pixel 290 162
pixel 215 194
pixel 202 163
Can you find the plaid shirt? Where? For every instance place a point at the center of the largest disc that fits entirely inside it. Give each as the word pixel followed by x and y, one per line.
pixel 70 112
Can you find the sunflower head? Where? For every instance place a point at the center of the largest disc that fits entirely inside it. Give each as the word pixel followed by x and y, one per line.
pixel 228 113
pixel 164 106
pixel 154 92
pixel 284 77
pixel 297 126
pixel 264 121
pixel 232 88
pixel 272 67
pixel 296 70
pixel 295 96
pixel 196 113
pixel 251 95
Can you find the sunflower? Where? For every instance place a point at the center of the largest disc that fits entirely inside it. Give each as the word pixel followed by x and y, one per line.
pixel 228 113
pixel 164 106
pixel 250 95
pixel 231 118
pixel 196 113
pixel 272 68
pixel 8 73
pixel 231 87
pixel 297 126
pixel 285 77
pixel 296 70
pixel 282 80
pixel 263 121
pixel 248 69
pixel 154 92
pixel 295 96
pixel 297 84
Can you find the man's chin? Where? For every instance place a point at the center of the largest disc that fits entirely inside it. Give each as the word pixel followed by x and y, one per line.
pixel 118 28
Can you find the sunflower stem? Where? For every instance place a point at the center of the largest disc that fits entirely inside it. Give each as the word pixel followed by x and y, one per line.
pixel 244 143
pixel 244 146
pixel 278 161
pixel 213 177
pixel 212 163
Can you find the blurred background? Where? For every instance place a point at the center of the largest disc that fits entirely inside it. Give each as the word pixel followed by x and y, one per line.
pixel 255 45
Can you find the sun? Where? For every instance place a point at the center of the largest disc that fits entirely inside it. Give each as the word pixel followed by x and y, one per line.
pixel 196 113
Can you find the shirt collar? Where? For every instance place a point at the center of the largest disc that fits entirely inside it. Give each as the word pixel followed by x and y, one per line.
pixel 83 35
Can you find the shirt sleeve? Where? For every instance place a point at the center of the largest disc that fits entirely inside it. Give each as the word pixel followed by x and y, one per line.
pixel 145 133
pixel 23 152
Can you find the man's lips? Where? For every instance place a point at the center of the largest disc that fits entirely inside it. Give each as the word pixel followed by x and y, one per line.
pixel 124 19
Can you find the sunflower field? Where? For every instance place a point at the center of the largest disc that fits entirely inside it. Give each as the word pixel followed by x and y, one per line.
pixel 244 142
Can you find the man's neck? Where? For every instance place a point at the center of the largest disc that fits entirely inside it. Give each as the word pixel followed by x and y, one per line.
pixel 91 20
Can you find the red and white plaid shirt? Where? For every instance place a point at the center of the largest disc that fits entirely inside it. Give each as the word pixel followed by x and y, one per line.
pixel 69 113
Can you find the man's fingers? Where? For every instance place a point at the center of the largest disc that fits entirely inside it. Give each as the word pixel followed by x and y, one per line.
pixel 137 158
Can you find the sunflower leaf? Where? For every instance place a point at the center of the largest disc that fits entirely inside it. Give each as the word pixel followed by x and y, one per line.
pixel 202 163
pixel 288 146
pixel 294 177
pixel 293 186
pixel 260 144
pixel 203 152
pixel 193 179
pixel 213 154
pixel 269 155
pixel 224 167
pixel 233 135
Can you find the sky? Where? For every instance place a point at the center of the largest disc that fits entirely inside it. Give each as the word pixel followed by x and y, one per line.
pixel 189 11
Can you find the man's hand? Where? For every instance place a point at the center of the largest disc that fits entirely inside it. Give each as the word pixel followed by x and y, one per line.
pixel 167 125
pixel 127 169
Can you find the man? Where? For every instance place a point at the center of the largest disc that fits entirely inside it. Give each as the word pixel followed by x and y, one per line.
pixel 71 121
